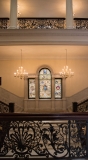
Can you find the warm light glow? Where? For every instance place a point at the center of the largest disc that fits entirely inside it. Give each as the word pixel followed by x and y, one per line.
pixel 21 73
pixel 66 72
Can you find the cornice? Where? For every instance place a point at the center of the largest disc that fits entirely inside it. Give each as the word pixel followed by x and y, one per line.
pixel 61 36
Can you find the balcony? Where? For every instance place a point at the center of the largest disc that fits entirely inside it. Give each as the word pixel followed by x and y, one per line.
pixel 44 23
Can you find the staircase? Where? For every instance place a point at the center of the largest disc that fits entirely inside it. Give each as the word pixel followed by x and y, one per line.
pixel 7 97
pixel 78 97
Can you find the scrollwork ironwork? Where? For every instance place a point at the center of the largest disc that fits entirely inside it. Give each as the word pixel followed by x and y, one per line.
pixel 4 23
pixel 25 139
pixel 41 23
pixel 83 107
pixel 81 23
pixel 77 139
pixel 4 108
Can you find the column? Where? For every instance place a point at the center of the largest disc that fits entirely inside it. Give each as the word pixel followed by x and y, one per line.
pixel 64 88
pixel 64 94
pixel 13 14
pixel 53 94
pixel 69 14
pixel 37 94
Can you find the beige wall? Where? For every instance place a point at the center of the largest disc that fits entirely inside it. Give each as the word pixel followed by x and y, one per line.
pixel 16 86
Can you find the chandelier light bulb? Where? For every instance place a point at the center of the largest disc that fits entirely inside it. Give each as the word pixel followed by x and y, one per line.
pixel 21 73
pixel 66 72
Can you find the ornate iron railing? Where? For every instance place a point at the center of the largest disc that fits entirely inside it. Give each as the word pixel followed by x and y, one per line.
pixel 80 107
pixel 83 106
pixel 62 136
pixel 6 108
pixel 44 23
pixel 41 23
pixel 81 23
pixel 4 23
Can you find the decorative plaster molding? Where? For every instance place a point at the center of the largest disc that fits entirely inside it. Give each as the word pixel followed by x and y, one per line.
pixel 61 37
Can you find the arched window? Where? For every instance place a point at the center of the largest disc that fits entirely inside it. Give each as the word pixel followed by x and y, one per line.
pixel 44 83
pixel 47 87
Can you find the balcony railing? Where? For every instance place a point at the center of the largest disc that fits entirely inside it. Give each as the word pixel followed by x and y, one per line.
pixel 44 23
pixel 41 23
pixel 54 136
pixel 81 23
pixel 4 23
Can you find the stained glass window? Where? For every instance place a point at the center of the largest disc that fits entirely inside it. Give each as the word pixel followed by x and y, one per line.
pixel 58 88
pixel 31 84
pixel 45 83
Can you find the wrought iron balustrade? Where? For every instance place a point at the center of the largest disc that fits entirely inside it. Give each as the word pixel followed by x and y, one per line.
pixel 81 23
pixel 6 108
pixel 80 107
pixel 54 136
pixel 4 23
pixel 44 23
pixel 83 106
pixel 41 23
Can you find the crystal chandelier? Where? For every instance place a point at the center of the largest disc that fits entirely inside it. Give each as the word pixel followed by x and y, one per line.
pixel 21 73
pixel 66 72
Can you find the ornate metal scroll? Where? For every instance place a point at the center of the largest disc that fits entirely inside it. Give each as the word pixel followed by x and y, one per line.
pixel 30 139
pixel 4 128
pixel 81 23
pixel 41 23
pixel 82 107
pixel 4 23
pixel 77 140
pixel 4 108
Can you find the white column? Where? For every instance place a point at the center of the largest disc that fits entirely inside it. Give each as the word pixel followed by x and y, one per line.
pixel 64 94
pixel 13 14
pixel 69 14
pixel 64 87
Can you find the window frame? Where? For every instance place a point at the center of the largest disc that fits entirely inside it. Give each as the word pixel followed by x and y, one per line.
pixel 37 79
pixel 54 88
pixel 39 84
pixel 28 89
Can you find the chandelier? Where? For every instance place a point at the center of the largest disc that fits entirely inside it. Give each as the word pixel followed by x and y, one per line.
pixel 66 72
pixel 21 73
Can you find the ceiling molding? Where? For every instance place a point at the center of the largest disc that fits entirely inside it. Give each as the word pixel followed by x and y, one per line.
pixel 27 37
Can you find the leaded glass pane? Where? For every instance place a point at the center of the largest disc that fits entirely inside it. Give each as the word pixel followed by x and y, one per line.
pixel 45 83
pixel 58 88
pixel 32 88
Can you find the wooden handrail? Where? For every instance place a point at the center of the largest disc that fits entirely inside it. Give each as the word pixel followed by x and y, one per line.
pixel 41 117
pixel 78 104
pixel 4 103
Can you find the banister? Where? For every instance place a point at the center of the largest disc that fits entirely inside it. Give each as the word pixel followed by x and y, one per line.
pixel 82 102
pixel 39 117
pixel 54 136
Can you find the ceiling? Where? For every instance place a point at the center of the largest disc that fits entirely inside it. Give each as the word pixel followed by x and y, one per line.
pixel 44 8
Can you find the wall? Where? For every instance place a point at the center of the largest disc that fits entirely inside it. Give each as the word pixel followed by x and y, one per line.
pixel 80 80
pixel 15 85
